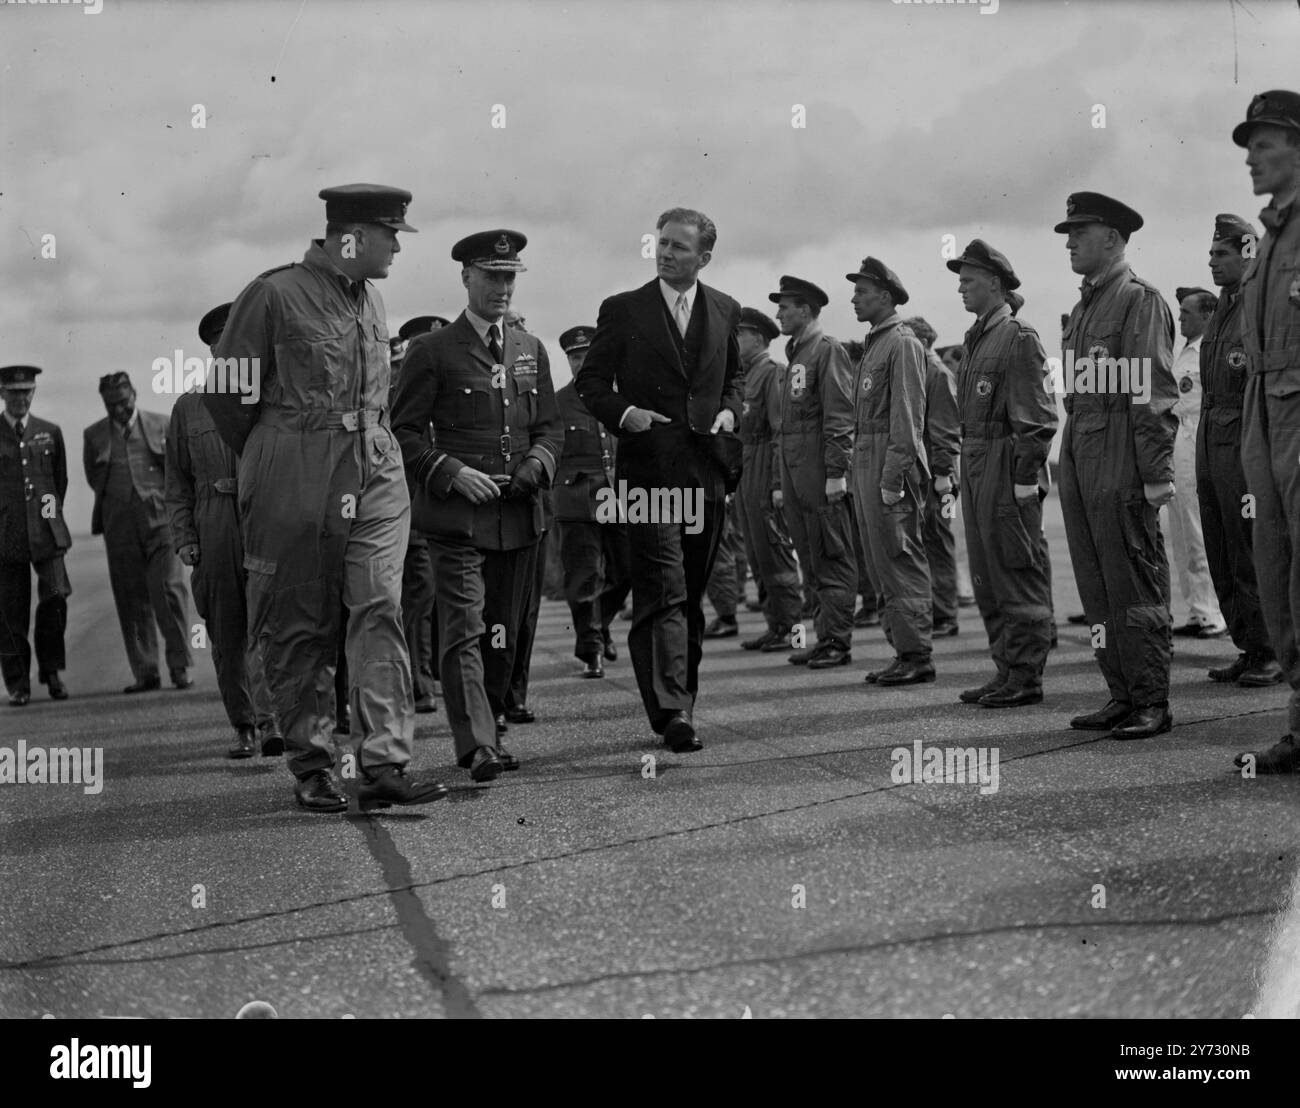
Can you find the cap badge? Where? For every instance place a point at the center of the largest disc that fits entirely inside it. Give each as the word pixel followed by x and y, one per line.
pixel 502 245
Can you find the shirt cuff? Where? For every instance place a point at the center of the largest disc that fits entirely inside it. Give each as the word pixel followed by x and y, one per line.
pixel 624 415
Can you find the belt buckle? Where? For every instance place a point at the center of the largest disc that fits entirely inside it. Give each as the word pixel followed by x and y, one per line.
pixel 349 420
pixel 505 447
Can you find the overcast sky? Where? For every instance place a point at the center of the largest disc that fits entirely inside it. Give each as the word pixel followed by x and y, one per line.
pixel 921 121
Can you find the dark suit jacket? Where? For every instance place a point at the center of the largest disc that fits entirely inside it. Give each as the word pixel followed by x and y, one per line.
pixel 97 452
pixel 634 350
pixel 29 531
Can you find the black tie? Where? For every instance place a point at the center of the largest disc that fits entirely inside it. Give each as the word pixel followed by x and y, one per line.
pixel 19 428
pixel 494 343
pixel 126 431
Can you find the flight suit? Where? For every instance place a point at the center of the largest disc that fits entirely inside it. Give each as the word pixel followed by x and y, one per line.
pixel 814 436
pixel 597 577
pixel 889 453
pixel 726 585
pixel 1112 445
pixel 324 507
pixel 942 440
pixel 33 536
pixel 1008 421
pixel 201 503
pixel 490 416
pixel 1270 313
pixel 1220 482
pixel 768 546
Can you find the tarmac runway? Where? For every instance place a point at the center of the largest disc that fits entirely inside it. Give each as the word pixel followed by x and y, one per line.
pixel 784 871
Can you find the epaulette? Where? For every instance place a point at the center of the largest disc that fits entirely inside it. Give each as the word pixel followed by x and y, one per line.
pixel 1145 284
pixel 277 269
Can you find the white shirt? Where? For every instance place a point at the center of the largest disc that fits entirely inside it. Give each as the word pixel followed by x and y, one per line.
pixel 481 326
pixel 670 296
pixel 1187 375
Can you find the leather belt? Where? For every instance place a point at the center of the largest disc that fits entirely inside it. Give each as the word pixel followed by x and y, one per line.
pixel 226 485
pixel 986 431
pixel 358 420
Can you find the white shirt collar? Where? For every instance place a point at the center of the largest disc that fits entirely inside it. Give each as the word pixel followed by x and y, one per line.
pixel 670 296
pixel 13 423
pixel 481 326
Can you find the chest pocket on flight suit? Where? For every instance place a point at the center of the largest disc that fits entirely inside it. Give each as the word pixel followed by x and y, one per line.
pixel 311 359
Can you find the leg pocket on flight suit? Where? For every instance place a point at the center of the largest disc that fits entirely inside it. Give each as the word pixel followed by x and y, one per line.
pixel 1014 541
pixel 832 524
pixel 895 519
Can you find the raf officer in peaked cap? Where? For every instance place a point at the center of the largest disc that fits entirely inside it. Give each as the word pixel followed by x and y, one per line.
pixel 125 458
pixel 323 499
pixel 1220 482
pixel 201 503
pixel 814 436
pixel 594 551
pixel 890 473
pixel 33 536
pixel 1009 419
pixel 1270 315
pixel 1117 464
pixel 486 388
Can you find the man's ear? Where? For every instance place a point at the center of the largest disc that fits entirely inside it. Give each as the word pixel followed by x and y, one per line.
pixel 705 258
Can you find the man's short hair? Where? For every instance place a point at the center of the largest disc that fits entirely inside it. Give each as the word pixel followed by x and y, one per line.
pixel 706 228
pixel 922 330
pixel 814 309
pixel 1205 302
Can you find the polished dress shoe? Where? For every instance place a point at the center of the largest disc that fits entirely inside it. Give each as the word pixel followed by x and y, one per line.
pixel 181 679
pixel 1012 695
pixel 19 698
pixel 519 715
pixel 386 785
pixel 864 618
pixel 426 704
pixel 1260 673
pixel 1076 619
pixel 591 666
pixel 1282 757
pixel 945 629
pixel 58 691
pixel 722 629
pixel 758 642
pixel 972 696
pixel 908 673
pixel 272 740
pixel 147 684
pixel 321 792
pixel 803 657
pixel 829 657
pixel 245 744
pixel 485 765
pixel 611 651
pixel 873 676
pixel 1207 632
pixel 1189 630
pixel 1155 719
pixel 1114 712
pixel 501 725
pixel 508 761
pixel 1228 674
pixel 779 645
pixel 679 734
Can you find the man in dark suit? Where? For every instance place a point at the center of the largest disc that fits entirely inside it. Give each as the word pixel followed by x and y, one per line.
pixel 486 389
pixel 33 536
pixel 125 460
pixel 669 348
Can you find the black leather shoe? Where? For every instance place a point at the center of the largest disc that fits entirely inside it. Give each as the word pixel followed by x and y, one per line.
pixel 945 629
pixel 873 676
pixel 1155 719
pixel 272 741
pixel 863 618
pixel 758 642
pixel 426 704
pixel 181 679
pixel 1077 619
pixel 908 673
pixel 1011 696
pixel 501 725
pixel 1282 757
pixel 1212 632
pixel 1055 640
pixel 1189 630
pixel 833 655
pixel 1114 713
pixel 508 761
pixel 803 657
pixel 485 765
pixel 321 792
pixel 611 651
pixel 149 684
pixel 245 744
pixel 722 629
pixel 592 667
pixel 19 698
pixel 520 715
pixel 679 734
pixel 778 645
pixel 753 606
pixel 58 691
pixel 972 696
pixel 1228 674
pixel 394 785
pixel 1260 673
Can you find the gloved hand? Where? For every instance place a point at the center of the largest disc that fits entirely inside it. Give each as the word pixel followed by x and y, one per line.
pixel 836 489
pixel 1026 492
pixel 1158 494
pixel 889 497
pixel 527 478
pixel 942 483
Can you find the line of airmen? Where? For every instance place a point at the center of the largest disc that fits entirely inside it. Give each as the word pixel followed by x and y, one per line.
pixel 324 511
